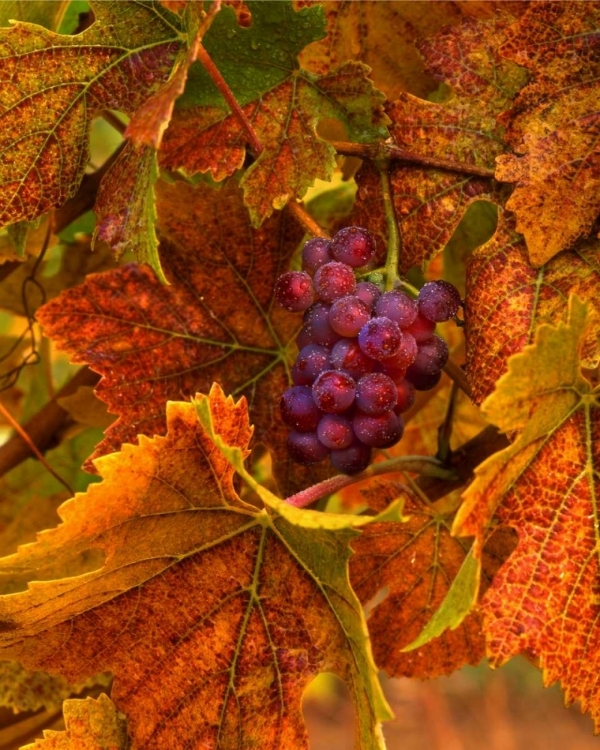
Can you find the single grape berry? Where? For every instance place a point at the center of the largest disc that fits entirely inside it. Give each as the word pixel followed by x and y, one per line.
pixel 432 355
pixel 353 459
pixel 348 315
pixel 420 329
pixel 334 280
pixel 335 431
pixel 306 448
pixel 311 362
pixel 298 409
pixel 353 245
pixel 398 307
pixel 294 291
pixel 406 396
pixel 423 381
pixel 380 338
pixel 318 327
pixel 438 301
pixel 405 355
pixel 333 391
pixel 347 355
pixel 376 393
pixel 379 431
pixel 368 293
pixel 315 254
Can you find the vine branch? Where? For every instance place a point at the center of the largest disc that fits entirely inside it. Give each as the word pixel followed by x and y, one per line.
pixel 302 216
pixel 394 244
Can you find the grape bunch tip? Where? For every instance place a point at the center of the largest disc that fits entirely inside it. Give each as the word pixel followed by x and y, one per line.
pixel 363 352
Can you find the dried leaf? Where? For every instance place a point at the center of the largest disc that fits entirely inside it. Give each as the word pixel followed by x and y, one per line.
pixel 210 613
pixel 553 126
pixel 544 600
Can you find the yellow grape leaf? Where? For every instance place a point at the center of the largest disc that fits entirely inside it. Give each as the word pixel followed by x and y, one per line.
pixel 90 724
pixel 211 613
pixel 544 600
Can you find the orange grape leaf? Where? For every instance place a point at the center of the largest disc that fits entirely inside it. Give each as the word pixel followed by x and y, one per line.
pixel 90 724
pixel 216 321
pixel 430 203
pixel 544 600
pixel 507 298
pixel 283 103
pixel 53 86
pixel 402 572
pixel 553 126
pixel 210 613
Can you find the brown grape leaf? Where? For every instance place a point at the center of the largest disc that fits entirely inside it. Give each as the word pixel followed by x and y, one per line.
pixel 544 600
pixel 216 321
pixel 213 615
pixel 401 572
pixel 53 85
pixel 507 298
pixel 430 204
pixel 554 125
pixel 382 35
pixel 90 724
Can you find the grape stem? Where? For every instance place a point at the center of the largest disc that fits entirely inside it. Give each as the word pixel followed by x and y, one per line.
pixel 306 220
pixel 457 374
pixel 389 151
pixel 394 244
pixel 424 465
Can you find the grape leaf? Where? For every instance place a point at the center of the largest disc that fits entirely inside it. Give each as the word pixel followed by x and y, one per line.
pixel 55 84
pixel 553 126
pixel 216 321
pixel 507 298
pixel 430 204
pixel 210 613
pixel 544 600
pixel 46 13
pixel 90 724
pixel 402 573
pixel 283 103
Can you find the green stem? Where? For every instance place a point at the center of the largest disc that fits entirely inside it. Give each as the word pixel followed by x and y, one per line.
pixel 423 465
pixel 394 244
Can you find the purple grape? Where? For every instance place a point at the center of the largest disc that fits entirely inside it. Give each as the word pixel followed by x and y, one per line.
pixel 379 431
pixel 405 355
pixel 406 396
pixel 298 409
pixel 306 448
pixel 351 460
pixel 311 362
pixel 304 338
pixel 333 391
pixel 334 280
pixel 421 329
pixel 423 381
pixel 294 291
pixel 398 307
pixel 432 355
pixel 380 338
pixel 368 293
pixel 335 431
pixel 315 254
pixel 438 301
pixel 347 355
pixel 316 323
pixel 348 315
pixel 353 245
pixel 376 393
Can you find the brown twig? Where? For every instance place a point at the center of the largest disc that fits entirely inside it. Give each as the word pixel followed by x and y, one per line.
pixel 114 121
pixel 42 428
pixel 457 374
pixel 378 151
pixel 306 220
pixel 227 94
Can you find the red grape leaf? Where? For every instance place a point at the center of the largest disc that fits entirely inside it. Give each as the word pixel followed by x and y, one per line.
pixel 507 298
pixel 430 203
pixel 554 125
pixel 53 86
pixel 90 724
pixel 216 321
pixel 210 613
pixel 544 600
pixel 401 572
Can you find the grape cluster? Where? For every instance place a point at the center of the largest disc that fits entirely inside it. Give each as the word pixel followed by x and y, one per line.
pixel 363 353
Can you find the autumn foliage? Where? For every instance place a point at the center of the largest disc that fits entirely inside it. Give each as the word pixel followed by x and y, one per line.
pixel 161 551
